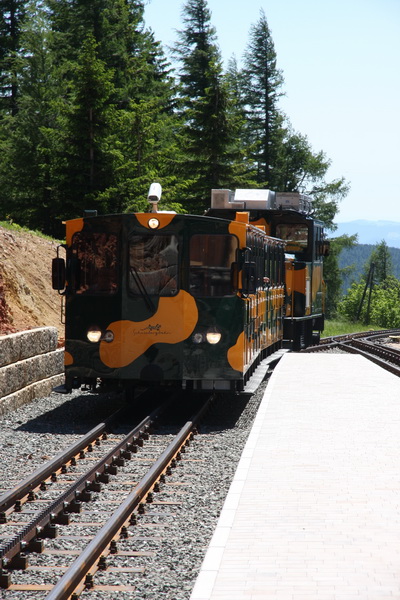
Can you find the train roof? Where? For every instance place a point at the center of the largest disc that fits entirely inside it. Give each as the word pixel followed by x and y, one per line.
pixel 261 203
pixel 260 199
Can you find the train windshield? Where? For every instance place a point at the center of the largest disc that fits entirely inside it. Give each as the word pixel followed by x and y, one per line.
pixel 295 235
pixel 153 265
pixel 94 261
pixel 211 259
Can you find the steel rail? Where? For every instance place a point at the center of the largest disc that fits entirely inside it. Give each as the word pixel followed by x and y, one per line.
pixel 387 359
pixel 391 332
pixel 49 515
pixel 378 349
pixel 336 340
pixel 361 334
pixel 9 498
pixel 73 577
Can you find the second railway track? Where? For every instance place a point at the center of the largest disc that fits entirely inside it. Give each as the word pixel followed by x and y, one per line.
pixel 373 345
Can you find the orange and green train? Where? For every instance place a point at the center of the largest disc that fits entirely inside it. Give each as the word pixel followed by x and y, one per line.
pixel 184 300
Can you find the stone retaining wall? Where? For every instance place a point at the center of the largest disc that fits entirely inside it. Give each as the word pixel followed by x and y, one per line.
pixel 30 366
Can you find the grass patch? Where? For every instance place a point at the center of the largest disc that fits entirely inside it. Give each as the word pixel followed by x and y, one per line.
pixel 20 229
pixel 341 327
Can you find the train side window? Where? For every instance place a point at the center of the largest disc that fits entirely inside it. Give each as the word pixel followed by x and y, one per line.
pixel 211 262
pixel 94 263
pixel 318 242
pixel 295 235
pixel 274 266
pixel 153 265
pixel 282 263
pixel 266 260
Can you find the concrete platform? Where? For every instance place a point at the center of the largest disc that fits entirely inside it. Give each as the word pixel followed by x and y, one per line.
pixel 313 512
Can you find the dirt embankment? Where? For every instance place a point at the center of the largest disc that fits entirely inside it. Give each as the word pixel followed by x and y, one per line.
pixel 26 297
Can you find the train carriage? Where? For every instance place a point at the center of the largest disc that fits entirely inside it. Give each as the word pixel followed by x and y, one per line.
pixel 169 299
pixel 287 216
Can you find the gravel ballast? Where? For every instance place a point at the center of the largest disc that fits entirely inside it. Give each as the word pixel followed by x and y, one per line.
pixel 172 548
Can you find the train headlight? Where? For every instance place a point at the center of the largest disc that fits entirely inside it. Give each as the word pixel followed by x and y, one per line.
pixel 108 336
pixel 213 336
pixel 94 334
pixel 198 338
pixel 153 223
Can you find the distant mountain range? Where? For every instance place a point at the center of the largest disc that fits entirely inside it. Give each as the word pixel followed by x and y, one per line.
pixel 371 232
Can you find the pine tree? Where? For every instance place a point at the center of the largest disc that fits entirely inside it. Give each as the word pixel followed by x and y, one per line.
pixel 243 172
pixel 27 138
pixel 262 80
pixel 94 120
pixel 210 150
pixel 382 261
pixel 116 106
pixel 83 165
pixel 197 49
pixel 284 158
pixel 124 45
pixel 12 13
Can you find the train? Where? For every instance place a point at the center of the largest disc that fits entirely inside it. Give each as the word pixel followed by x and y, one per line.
pixel 194 302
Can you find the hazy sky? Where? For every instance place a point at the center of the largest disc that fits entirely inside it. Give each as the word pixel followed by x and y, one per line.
pixel 341 64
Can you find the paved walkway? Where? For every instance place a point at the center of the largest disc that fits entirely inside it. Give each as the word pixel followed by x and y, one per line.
pixel 313 512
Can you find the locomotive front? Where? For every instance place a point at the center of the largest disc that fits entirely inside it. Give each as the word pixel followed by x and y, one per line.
pixel 152 298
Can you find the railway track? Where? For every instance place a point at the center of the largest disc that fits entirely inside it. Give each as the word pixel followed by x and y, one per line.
pixel 369 344
pixel 49 505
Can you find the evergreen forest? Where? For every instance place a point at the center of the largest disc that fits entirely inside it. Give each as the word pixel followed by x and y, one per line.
pixel 92 112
